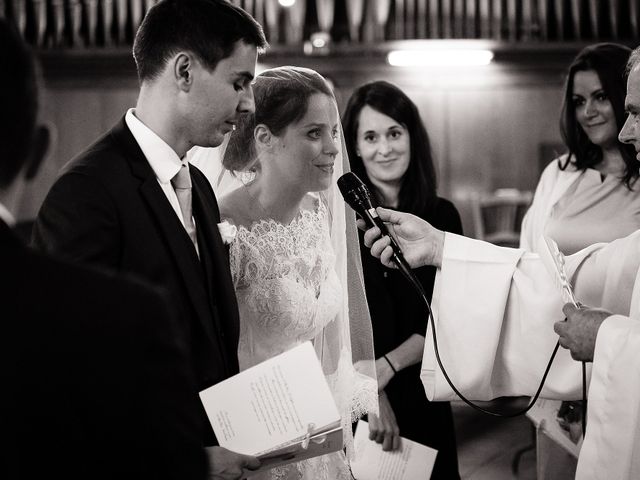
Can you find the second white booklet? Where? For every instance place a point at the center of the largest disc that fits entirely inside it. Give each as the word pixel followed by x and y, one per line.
pixel 272 404
pixel 412 461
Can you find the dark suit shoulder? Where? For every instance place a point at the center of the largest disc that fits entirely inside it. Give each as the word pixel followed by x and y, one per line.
pixel 105 157
pixel 115 158
pixel 81 216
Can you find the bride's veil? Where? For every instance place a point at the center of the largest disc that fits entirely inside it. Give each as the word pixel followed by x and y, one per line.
pixel 347 341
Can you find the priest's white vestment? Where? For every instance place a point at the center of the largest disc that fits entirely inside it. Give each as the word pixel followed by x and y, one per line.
pixel 494 312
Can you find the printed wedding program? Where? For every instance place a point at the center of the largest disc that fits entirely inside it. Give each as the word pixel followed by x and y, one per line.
pixel 280 410
pixel 412 461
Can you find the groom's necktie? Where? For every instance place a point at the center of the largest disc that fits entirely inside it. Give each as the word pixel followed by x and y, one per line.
pixel 182 185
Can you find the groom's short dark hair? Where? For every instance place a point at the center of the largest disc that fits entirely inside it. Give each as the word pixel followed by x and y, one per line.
pixel 208 28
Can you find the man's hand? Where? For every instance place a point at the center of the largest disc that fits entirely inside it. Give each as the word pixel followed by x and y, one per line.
pixel 580 330
pixel 384 429
pixel 227 465
pixel 421 244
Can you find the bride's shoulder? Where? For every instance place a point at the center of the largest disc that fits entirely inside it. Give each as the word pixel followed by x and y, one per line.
pixel 235 207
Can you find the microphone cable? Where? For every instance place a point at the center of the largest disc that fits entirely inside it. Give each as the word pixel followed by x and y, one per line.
pixel 357 196
pixel 418 286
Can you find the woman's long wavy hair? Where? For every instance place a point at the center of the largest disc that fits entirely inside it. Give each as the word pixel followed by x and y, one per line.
pixel 419 185
pixel 609 61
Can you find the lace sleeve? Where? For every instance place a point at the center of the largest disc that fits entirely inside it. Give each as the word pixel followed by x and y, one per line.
pixel 365 396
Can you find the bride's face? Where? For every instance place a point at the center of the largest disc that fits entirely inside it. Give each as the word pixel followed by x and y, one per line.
pixel 308 148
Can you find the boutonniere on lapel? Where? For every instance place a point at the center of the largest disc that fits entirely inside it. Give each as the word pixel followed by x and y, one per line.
pixel 227 232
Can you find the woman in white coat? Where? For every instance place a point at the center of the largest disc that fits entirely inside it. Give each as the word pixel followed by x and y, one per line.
pixel 588 195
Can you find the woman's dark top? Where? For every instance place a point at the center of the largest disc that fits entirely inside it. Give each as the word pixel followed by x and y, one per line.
pixel 397 312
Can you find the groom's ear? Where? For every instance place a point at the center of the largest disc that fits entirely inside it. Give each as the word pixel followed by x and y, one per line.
pixel 263 135
pixel 183 70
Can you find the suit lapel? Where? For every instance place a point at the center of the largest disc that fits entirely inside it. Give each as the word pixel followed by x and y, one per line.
pixel 216 261
pixel 172 231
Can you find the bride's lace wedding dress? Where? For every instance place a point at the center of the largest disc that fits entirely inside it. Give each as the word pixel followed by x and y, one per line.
pixel 288 292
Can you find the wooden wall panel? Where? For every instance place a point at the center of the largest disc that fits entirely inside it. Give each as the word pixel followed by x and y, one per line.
pixel 486 125
pixel 494 138
pixel 77 117
pixel 472 145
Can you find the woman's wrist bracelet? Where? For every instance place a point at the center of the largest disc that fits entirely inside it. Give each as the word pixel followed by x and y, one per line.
pixel 390 364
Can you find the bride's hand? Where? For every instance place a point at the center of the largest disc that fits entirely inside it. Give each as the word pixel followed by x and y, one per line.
pixel 384 429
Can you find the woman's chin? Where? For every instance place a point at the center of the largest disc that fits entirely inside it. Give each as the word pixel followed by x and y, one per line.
pixel 322 184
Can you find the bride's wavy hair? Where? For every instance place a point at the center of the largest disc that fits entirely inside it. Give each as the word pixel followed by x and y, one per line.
pixel 281 98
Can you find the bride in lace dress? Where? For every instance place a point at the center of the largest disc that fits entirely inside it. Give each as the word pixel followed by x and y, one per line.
pixel 289 257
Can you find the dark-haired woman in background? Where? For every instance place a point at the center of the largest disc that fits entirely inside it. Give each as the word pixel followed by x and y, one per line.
pixel 389 150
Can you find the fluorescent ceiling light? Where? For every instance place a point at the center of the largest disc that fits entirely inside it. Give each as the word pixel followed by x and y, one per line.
pixel 287 3
pixel 439 57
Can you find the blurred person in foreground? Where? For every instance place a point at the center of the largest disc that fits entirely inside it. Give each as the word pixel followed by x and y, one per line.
pixel 495 308
pixel 96 381
pixel 390 151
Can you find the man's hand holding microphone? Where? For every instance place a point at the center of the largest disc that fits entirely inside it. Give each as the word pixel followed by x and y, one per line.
pixel 421 244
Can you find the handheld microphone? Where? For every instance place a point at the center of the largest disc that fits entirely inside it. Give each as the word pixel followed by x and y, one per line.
pixel 358 197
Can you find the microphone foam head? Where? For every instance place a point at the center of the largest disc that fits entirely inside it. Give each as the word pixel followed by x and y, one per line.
pixel 349 181
pixel 354 191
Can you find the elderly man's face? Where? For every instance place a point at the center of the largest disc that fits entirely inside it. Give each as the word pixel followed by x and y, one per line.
pixel 630 132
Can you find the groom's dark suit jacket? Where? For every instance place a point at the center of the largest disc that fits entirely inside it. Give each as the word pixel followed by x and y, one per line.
pixel 108 209
pixel 91 388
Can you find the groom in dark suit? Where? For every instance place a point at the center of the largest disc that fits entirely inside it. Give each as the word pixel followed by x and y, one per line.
pixel 133 204
pixel 94 372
